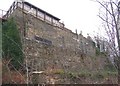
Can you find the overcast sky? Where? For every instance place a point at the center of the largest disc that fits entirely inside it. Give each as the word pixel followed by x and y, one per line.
pixel 76 14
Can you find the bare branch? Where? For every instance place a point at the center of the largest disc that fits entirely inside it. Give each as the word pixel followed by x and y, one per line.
pixel 104 7
pixel 110 22
pixel 105 20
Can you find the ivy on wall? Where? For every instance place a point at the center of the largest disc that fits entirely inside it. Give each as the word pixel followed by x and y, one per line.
pixel 11 43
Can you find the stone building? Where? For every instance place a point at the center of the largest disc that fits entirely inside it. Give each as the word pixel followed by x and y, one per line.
pixel 46 41
pixel 36 24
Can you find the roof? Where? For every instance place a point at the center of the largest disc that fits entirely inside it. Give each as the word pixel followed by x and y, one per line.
pixel 42 11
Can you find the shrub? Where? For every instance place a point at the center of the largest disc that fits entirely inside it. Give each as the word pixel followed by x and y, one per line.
pixel 11 43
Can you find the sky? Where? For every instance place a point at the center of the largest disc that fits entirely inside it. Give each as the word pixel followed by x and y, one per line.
pixel 75 14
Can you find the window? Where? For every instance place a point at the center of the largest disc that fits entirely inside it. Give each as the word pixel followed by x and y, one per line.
pixel 19 5
pixel 26 7
pixel 40 15
pixel 33 11
pixel 48 18
pixel 55 22
pixel 15 6
pixel 42 40
pixel 11 9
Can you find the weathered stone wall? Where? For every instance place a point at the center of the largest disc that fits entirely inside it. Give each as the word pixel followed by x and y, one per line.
pixel 31 26
pixel 54 51
pixel 50 58
pixel 64 50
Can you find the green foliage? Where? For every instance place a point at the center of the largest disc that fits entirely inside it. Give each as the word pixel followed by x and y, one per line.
pixel 97 51
pixel 109 67
pixel 72 75
pixel 93 43
pixel 11 43
pixel 59 71
pixel 100 53
pixel 98 75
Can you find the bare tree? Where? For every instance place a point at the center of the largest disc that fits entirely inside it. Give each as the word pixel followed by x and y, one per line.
pixel 110 18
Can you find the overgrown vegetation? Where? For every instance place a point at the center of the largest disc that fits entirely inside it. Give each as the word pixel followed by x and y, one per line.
pixel 11 43
pixel 109 66
pixel 98 53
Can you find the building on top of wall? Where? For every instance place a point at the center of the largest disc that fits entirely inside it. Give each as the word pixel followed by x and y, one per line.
pixel 37 25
